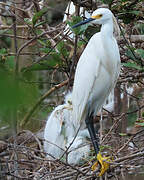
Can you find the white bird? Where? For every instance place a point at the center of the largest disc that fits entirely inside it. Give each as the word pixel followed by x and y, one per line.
pixel 96 74
pixel 79 149
pixel 59 134
pixel 70 10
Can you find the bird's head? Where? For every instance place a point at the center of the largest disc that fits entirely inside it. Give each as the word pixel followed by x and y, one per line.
pixel 99 16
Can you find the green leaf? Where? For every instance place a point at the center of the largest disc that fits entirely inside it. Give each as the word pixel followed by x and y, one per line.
pixel 10 64
pixel 51 63
pixel 3 51
pixel 140 53
pixel 140 124
pixel 62 49
pixel 140 28
pixel 134 12
pixel 130 54
pixel 80 43
pixel 41 23
pixel 38 15
pixel 122 134
pixel 36 67
pixel 107 1
pixel 46 50
pixel 105 147
pixel 28 21
pixel 132 65
pixel 11 91
pixel 43 43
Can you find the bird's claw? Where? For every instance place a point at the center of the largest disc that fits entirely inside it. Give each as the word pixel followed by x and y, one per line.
pixel 103 161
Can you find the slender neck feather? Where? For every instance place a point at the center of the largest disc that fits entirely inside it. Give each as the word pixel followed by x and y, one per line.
pixel 107 35
pixel 107 29
pixel 108 45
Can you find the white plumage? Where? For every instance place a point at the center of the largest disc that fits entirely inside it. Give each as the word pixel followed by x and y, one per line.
pixel 79 150
pixel 97 69
pixel 59 133
pixel 96 75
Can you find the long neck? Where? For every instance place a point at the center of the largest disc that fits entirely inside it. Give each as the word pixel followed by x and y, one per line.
pixel 107 36
pixel 108 45
pixel 107 30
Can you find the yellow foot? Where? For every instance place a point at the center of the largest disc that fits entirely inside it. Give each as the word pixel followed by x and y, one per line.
pixel 103 163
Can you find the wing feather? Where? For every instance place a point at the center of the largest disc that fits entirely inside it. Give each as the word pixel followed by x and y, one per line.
pixel 85 78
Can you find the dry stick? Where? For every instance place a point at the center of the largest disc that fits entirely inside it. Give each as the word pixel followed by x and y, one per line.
pixel 119 121
pixel 132 76
pixel 44 56
pixel 117 162
pixel 73 60
pixel 12 36
pixel 12 7
pixel 66 164
pixel 129 140
pixel 70 143
pixel 133 38
pixel 75 51
pixel 14 112
pixel 35 137
pixel 45 26
pixel 29 114
pixel 117 115
pixel 18 27
pixel 116 122
pixel 101 124
pixel 4 15
pixel 125 145
pixel 129 157
pixel 135 110
pixel 25 54
pixel 36 37
pixel 129 47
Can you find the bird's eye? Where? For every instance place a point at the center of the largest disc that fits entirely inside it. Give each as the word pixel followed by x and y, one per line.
pixel 98 16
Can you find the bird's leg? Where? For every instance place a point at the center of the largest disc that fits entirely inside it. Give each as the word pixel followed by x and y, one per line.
pixel 94 138
pixel 101 160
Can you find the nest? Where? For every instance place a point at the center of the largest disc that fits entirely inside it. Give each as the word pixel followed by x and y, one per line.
pixel 23 157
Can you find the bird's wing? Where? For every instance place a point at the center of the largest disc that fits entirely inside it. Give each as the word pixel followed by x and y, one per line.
pixel 53 126
pixel 86 73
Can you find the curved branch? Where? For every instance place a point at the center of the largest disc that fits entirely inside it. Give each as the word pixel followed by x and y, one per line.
pixel 30 113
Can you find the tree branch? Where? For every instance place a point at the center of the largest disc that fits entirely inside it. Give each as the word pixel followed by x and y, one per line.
pixel 30 113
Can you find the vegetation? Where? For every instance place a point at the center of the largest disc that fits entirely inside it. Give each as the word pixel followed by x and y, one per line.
pixel 38 59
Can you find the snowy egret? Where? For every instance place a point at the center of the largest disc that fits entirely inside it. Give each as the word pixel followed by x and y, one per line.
pixel 96 74
pixel 59 133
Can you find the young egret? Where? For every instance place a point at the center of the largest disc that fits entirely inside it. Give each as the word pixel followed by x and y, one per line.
pixel 96 75
pixel 59 134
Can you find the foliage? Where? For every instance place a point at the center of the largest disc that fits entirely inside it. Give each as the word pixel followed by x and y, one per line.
pixel 36 54
pixel 38 15
pixel 54 53
pixel 14 92
pixel 79 30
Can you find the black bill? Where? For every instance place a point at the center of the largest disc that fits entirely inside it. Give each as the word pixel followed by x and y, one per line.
pixel 83 22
